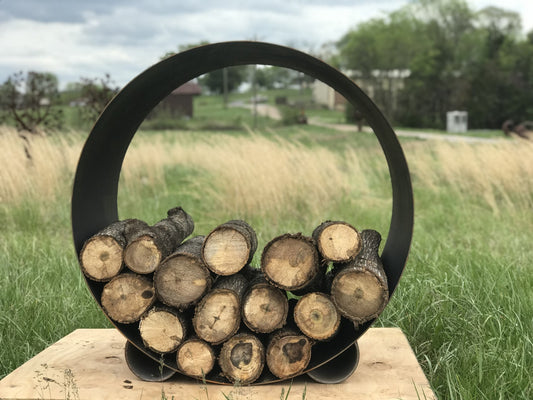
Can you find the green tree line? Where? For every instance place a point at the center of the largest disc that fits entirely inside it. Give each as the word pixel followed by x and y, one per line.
pixel 452 58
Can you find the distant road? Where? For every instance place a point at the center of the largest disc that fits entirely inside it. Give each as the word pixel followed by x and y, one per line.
pixel 271 111
pixel 406 133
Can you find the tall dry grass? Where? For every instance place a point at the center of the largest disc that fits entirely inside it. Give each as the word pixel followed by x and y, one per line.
pixel 49 171
pixel 260 176
pixel 254 175
pixel 495 175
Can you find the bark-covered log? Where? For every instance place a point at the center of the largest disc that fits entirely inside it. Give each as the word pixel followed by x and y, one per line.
pixel 229 247
pixel 290 261
pixel 217 316
pixel 242 358
pixel 127 297
pixel 288 353
pixel 162 329
pixel 182 278
pixel 149 246
pixel 102 255
pixel 316 316
pixel 359 288
pixel 195 358
pixel 337 241
pixel 264 307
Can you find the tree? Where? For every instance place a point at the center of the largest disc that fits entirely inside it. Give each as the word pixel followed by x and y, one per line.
pixel 28 101
pixel 96 93
pixel 456 59
pixel 214 81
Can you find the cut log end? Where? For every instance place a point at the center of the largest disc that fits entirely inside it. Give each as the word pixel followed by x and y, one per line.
pixel 142 255
pixel 162 330
pixel 264 308
pixel 195 358
pixel 217 316
pixel 288 355
pixel 290 261
pixel 126 297
pixel 316 316
pixel 339 242
pixel 101 258
pixel 181 280
pixel 359 295
pixel 226 251
pixel 242 358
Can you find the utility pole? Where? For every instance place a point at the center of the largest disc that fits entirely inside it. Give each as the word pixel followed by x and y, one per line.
pixel 225 86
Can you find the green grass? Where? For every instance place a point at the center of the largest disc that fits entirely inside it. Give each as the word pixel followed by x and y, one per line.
pixel 464 301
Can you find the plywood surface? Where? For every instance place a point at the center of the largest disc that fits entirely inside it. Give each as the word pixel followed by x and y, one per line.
pixel 89 364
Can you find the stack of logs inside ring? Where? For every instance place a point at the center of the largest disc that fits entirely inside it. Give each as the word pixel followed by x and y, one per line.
pixel 199 300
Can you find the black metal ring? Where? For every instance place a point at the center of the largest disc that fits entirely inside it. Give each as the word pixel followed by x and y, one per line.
pixel 94 197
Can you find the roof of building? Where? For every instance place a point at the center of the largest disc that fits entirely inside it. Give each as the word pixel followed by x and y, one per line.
pixel 189 88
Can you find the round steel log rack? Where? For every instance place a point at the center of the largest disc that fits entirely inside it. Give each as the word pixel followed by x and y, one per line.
pixel 94 197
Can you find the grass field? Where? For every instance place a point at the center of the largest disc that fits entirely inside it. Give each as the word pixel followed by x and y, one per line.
pixel 464 301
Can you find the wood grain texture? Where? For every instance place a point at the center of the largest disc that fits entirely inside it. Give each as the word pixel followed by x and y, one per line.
pixel 151 244
pixel 102 255
pixel 195 358
pixel 162 329
pixel 337 241
pixel 264 307
pixel 290 261
pixel 316 316
pixel 288 353
pixel 229 247
pixel 242 358
pixel 90 362
pixel 359 288
pixel 127 297
pixel 182 278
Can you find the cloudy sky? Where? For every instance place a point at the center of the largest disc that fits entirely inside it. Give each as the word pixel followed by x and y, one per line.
pixel 88 38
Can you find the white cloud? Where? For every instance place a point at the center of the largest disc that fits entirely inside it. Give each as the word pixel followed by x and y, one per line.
pixel 125 37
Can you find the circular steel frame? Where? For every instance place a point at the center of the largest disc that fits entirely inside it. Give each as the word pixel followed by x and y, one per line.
pixel 94 197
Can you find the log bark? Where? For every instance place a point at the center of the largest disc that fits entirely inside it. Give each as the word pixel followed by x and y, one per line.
pixel 149 246
pixel 359 288
pixel 127 297
pixel 290 261
pixel 182 278
pixel 195 358
pixel 288 353
pixel 162 329
pixel 264 307
pixel 242 358
pixel 316 316
pixel 229 247
pixel 217 316
pixel 102 255
pixel 337 241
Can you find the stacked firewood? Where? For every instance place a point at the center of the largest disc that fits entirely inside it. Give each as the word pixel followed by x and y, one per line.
pixel 201 301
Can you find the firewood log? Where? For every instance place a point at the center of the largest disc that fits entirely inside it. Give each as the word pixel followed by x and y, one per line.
pixel 242 358
pixel 217 316
pixel 195 357
pixel 101 257
pixel 152 244
pixel 264 307
pixel 337 241
pixel 126 297
pixel 162 329
pixel 290 261
pixel 229 247
pixel 316 316
pixel 288 353
pixel 359 288
pixel 182 278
